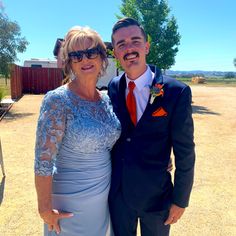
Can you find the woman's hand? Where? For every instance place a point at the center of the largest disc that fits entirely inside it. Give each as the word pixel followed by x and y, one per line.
pixel 52 217
pixel 43 186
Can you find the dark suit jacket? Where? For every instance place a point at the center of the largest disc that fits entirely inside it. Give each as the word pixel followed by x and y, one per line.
pixel 141 155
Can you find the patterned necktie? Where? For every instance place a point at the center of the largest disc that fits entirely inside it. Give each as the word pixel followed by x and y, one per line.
pixel 131 103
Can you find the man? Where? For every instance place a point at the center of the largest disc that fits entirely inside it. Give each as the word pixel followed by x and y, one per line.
pixel 156 117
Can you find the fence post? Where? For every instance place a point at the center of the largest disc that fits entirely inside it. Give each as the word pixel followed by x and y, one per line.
pixel 1 159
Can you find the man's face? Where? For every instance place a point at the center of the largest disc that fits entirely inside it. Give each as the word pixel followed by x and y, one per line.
pixel 130 48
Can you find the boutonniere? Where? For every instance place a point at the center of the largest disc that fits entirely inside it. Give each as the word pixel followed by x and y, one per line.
pixel 156 90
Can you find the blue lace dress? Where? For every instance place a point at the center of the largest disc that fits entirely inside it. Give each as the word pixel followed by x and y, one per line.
pixel 73 142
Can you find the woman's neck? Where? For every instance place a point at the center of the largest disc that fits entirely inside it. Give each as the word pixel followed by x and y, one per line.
pixel 85 89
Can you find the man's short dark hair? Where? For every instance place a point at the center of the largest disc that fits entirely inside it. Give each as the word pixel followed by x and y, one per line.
pixel 125 22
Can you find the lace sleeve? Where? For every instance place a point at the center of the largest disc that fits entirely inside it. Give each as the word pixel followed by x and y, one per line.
pixel 50 131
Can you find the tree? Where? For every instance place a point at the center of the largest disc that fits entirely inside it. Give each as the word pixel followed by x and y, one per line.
pixel 229 75
pixel 235 62
pixel 162 30
pixel 11 43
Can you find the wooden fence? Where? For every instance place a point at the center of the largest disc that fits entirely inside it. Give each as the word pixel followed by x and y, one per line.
pixel 34 80
pixel 16 82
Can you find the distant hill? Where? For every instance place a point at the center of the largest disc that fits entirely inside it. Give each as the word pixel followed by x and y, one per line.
pixel 198 73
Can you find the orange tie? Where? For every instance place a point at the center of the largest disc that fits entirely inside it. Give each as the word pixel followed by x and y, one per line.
pixel 131 103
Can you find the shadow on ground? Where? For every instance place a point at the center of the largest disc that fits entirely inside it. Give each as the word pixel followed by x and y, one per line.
pixel 2 185
pixel 203 110
pixel 11 116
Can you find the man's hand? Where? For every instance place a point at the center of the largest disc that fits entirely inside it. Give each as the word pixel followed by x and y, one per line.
pixel 51 218
pixel 174 214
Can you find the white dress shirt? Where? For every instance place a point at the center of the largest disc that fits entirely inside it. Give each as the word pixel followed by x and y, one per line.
pixel 141 90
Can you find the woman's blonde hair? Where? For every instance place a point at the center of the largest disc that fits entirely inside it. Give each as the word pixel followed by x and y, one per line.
pixel 77 37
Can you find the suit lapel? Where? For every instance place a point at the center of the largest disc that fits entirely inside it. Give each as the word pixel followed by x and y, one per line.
pixel 158 79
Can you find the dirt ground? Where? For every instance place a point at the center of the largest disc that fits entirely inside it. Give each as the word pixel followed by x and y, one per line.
pixel 212 210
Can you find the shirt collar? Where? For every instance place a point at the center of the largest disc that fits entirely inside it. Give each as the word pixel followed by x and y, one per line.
pixel 145 80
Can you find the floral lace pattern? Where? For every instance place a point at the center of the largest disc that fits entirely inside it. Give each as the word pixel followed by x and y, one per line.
pixel 69 122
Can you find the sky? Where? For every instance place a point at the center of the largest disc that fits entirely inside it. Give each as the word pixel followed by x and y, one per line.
pixel 207 27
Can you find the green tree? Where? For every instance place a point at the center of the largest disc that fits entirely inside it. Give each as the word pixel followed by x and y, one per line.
pixel 11 43
pixel 229 75
pixel 235 62
pixel 161 28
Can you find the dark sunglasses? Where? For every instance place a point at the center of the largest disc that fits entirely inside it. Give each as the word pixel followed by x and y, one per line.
pixel 77 56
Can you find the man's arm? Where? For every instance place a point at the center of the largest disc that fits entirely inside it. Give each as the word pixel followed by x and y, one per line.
pixel 183 148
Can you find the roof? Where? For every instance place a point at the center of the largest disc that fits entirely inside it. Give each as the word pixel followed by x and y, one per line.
pixel 57 46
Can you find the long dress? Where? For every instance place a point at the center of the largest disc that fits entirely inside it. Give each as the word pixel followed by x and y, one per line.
pixel 73 142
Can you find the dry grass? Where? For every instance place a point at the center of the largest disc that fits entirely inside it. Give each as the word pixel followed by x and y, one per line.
pixel 213 201
pixel 5 84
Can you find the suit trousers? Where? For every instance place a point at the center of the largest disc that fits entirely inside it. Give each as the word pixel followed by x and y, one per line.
pixel 125 219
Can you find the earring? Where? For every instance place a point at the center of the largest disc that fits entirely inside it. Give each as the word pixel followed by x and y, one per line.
pixel 72 75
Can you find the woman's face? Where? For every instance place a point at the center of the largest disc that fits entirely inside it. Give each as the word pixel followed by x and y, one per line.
pixel 86 61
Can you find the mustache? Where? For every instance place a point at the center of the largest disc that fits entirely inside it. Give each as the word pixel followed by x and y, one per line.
pixel 131 53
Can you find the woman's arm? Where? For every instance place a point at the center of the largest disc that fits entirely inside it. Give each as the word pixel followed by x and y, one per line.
pixel 43 185
pixel 50 132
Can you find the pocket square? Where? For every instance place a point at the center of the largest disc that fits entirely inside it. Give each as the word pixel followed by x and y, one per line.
pixel 159 112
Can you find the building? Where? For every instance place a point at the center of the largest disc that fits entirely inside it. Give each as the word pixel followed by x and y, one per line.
pixel 40 63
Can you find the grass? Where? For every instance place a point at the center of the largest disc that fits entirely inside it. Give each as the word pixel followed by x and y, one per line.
pixel 5 86
pixel 212 81
pixel 2 94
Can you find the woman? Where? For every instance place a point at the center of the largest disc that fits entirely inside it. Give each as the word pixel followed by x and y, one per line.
pixel 76 131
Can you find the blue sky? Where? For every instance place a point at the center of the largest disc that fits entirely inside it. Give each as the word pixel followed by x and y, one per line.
pixel 207 27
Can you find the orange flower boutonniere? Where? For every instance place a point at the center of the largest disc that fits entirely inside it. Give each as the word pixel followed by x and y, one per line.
pixel 156 91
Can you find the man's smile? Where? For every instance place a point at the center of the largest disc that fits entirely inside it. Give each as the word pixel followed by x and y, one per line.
pixel 131 56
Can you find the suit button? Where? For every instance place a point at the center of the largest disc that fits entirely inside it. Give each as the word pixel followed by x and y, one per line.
pixel 128 139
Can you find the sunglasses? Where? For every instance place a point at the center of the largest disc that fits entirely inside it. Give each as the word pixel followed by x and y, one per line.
pixel 77 56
